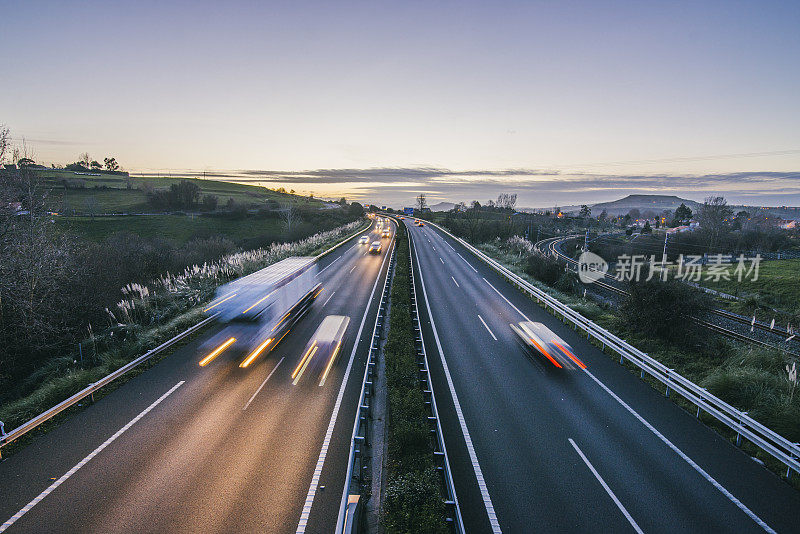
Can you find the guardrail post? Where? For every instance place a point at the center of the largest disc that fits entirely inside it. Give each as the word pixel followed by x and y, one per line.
pixel 739 430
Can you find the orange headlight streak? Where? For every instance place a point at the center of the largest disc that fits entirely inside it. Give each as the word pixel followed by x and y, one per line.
pixel 330 364
pixel 216 352
pixel 571 356
pixel 304 363
pixel 279 322
pixel 299 365
pixel 545 354
pixel 229 297
pixel 253 355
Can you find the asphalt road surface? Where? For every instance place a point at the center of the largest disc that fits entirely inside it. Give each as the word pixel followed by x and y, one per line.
pixel 536 448
pixel 185 448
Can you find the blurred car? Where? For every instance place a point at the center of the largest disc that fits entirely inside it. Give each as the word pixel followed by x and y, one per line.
pixel 386 233
pixel 542 340
pixel 419 223
pixel 375 247
pixel 401 217
pixel 363 240
pixel 324 345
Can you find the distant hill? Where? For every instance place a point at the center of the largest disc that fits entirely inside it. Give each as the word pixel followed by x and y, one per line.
pixel 443 206
pixel 655 203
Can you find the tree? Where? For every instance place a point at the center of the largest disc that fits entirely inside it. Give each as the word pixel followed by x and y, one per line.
pixel 422 203
pixel 290 216
pixel 184 194
pixel 683 213
pixel 647 229
pixel 715 215
pixel 84 159
pixel 5 142
pixel 507 201
pixel 111 164
pixel 343 201
pixel 585 212
pixel 603 216
pixel 96 165
pixel 210 202
pixel 25 162
pixel 634 213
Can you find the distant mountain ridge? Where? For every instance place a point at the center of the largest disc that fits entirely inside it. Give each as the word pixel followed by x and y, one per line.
pixel 656 203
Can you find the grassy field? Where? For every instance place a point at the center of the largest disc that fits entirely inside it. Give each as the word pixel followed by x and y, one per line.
pixel 180 228
pixel 778 286
pixel 112 194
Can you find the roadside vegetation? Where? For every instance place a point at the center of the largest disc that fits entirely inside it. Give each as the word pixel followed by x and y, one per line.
pixel 413 499
pixel 147 315
pixel 73 307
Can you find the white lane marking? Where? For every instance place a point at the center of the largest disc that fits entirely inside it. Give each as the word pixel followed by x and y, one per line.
pixel 504 298
pixel 468 263
pixel 667 442
pixel 25 509
pixel 448 244
pixel 487 501
pixel 441 260
pixel 312 489
pixel 329 298
pixel 263 383
pixel 487 327
pixel 353 268
pixel 605 487
pixel 331 263
pixel 760 522
pixel 454 281
pixel 434 248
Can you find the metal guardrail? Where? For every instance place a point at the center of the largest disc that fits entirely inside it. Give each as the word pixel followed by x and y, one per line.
pixel 89 391
pixel 738 421
pixel 440 453
pixel 92 388
pixel 355 465
pixel 551 244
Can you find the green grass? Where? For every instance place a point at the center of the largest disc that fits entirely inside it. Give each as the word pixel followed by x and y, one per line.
pixel 778 285
pixel 180 228
pixel 112 195
pixel 413 501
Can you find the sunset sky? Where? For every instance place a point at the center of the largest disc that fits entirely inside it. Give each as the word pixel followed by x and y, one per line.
pixel 561 102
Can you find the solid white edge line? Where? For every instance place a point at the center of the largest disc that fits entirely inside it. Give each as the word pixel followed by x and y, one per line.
pixel 739 504
pixel 312 489
pixel 487 501
pixel 454 281
pixel 487 327
pixel 760 522
pixel 25 509
pixel 465 261
pixel 263 383
pixel 605 487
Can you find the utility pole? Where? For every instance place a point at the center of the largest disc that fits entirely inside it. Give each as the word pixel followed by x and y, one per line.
pixel 664 256
pixel 586 241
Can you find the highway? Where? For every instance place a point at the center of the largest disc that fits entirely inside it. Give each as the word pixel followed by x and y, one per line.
pixel 217 448
pixel 536 448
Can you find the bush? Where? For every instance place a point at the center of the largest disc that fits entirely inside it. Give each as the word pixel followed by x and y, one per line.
pixel 414 501
pixel 664 309
pixel 544 269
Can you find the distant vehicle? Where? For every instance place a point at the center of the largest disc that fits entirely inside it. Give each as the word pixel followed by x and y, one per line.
pixel 261 307
pixel 363 240
pixel 400 217
pixel 420 223
pixel 386 233
pixel 375 247
pixel 324 346
pixel 541 339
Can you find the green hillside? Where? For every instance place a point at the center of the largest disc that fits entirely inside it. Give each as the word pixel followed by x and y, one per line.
pixel 73 193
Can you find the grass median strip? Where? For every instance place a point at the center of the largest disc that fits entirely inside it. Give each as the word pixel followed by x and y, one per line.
pixel 413 500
